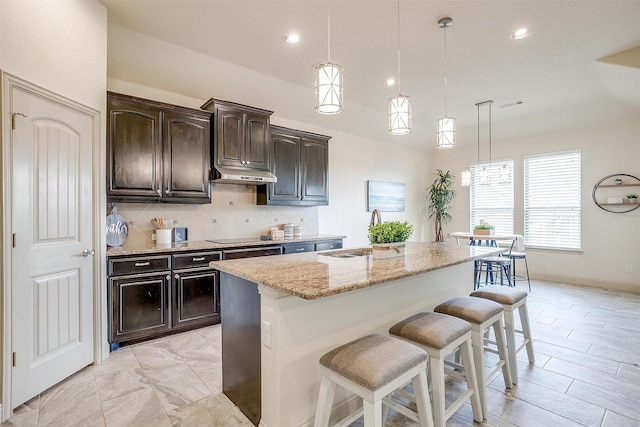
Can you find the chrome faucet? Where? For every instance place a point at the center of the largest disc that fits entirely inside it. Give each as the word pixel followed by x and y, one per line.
pixel 375 215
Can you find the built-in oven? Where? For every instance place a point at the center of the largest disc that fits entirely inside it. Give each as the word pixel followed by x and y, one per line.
pixel 250 252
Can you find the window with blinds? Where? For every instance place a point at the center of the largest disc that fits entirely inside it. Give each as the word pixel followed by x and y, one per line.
pixel 491 195
pixel 552 200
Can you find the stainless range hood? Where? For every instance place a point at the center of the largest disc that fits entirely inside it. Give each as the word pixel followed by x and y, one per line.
pixel 224 175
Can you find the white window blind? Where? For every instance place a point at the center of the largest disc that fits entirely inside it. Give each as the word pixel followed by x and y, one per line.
pixel 491 199
pixel 552 200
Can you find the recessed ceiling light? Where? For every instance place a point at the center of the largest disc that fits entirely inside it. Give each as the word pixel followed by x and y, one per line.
pixel 520 34
pixel 292 38
pixel 390 82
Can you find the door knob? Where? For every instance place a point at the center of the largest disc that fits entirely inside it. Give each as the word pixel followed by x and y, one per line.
pixel 88 252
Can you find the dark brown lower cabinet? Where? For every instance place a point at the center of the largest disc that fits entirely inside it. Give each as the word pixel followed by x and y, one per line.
pixel 196 298
pixel 155 295
pixel 140 306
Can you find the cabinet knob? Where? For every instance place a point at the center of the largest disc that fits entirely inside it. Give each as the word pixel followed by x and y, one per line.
pixel 168 277
pixel 159 192
pixel 166 191
pixel 177 276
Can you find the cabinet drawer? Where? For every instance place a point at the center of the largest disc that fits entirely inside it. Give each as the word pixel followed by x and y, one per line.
pixel 325 246
pixel 195 259
pixel 292 248
pixel 143 264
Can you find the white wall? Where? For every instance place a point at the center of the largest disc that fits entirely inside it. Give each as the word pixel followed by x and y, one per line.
pixel 352 159
pixel 609 241
pixel 60 45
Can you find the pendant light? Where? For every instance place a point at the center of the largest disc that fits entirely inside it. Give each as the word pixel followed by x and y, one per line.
pixel 446 126
pixel 328 80
pixel 399 105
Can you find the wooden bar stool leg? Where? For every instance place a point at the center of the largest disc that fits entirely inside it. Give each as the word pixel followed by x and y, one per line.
pixel 472 380
pixel 372 413
pixel 477 339
pixel 420 388
pixel 498 331
pixel 526 331
pixel 437 379
pixel 511 343
pixel 325 402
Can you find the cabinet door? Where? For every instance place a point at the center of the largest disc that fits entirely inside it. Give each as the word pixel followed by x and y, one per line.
pixel 229 136
pixel 315 166
pixel 186 144
pixel 286 166
pixel 139 306
pixel 256 142
pixel 196 298
pixel 133 151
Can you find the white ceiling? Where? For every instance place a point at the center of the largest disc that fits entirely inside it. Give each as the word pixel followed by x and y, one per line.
pixel 555 71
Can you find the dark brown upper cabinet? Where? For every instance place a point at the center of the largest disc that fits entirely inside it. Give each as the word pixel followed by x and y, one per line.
pixel 301 163
pixel 157 152
pixel 241 138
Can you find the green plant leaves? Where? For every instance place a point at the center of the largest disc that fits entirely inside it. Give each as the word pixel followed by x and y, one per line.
pixel 390 232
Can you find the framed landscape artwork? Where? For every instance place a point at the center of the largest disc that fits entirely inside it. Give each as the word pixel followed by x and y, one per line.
pixel 385 196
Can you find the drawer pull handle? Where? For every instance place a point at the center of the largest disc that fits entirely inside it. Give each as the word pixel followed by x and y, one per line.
pixel 198 259
pixel 300 250
pixel 141 264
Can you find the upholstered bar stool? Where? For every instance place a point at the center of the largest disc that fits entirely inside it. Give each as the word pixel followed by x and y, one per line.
pixel 441 335
pixel 372 367
pixel 511 299
pixel 481 314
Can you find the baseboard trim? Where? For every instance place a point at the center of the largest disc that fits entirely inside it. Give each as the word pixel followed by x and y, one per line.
pixel 596 283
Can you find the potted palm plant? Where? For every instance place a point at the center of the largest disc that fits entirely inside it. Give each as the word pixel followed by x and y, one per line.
pixel 388 238
pixel 439 197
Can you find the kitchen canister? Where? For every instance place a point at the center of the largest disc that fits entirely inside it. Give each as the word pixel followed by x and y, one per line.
pixel 163 236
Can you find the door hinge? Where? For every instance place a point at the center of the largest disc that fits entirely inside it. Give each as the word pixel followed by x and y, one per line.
pixel 13 119
pixel 13 240
pixel 13 357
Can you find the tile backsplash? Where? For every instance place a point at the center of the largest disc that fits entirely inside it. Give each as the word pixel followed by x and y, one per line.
pixel 232 213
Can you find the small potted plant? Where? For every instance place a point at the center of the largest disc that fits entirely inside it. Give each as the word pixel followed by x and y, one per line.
pixel 483 229
pixel 632 198
pixel 388 238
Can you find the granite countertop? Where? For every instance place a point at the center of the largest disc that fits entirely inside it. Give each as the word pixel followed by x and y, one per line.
pixel 315 275
pixel 201 245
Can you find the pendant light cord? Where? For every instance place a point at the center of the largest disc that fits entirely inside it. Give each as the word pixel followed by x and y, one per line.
pixel 490 102
pixel 445 71
pixel 398 46
pixel 478 105
pixel 328 32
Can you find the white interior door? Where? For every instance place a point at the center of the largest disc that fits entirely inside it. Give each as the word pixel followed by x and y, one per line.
pixel 52 219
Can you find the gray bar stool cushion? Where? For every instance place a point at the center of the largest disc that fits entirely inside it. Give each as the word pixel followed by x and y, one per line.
pixel 373 360
pixel 431 329
pixel 475 310
pixel 500 294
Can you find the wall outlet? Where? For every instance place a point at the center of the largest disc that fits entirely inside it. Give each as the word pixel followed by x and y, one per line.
pixel 266 333
pixel 628 268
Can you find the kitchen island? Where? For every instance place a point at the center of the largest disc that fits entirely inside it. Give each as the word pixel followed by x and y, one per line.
pixel 281 313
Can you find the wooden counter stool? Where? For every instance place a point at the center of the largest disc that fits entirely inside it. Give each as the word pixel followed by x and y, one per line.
pixel 511 299
pixel 441 335
pixel 372 367
pixel 482 314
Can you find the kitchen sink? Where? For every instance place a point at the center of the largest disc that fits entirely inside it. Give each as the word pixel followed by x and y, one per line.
pixel 347 253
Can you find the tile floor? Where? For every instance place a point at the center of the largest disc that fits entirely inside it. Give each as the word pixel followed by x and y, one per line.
pixel 587 373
